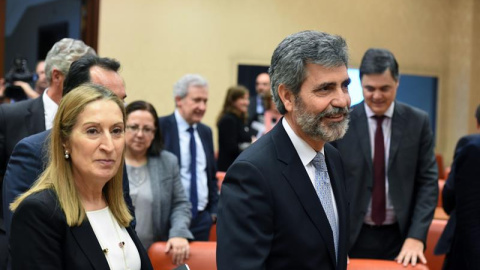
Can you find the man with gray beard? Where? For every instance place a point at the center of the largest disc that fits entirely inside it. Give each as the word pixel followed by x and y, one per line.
pixel 283 203
pixel 390 168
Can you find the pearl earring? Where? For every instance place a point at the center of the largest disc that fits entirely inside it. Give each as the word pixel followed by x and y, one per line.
pixel 67 156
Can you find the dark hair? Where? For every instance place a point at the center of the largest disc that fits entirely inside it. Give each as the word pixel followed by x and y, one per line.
pixel 289 60
pixel 233 94
pixel 477 114
pixel 157 143
pixel 79 72
pixel 376 61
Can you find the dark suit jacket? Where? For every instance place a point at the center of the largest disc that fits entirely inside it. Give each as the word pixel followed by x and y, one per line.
pixel 41 238
pixel 17 121
pixel 27 162
pixel 231 133
pixel 168 126
pixel 270 216
pixel 465 250
pixel 448 201
pixel 412 170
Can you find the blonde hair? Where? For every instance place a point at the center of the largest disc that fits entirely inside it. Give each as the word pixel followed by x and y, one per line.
pixel 58 174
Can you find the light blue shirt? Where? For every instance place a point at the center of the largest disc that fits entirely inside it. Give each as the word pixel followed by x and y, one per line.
pixel 185 174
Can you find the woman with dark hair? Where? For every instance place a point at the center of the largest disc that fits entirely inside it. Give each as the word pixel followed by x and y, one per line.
pixel 233 132
pixel 75 216
pixel 161 206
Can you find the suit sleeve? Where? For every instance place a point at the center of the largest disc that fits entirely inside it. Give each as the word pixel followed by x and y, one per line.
pixel 245 219
pixel 36 237
pixel 448 193
pixel 212 178
pixel 467 187
pixel 181 214
pixel 426 185
pixel 24 167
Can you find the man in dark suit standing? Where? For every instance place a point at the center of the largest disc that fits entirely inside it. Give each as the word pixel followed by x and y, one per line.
pixel 192 143
pixel 22 119
pixel 283 203
pixel 390 168
pixel 445 243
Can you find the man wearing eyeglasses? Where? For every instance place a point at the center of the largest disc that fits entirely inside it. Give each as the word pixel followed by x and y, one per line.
pixel 192 143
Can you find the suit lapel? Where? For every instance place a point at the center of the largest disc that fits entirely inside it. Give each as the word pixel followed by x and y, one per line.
pixel 398 124
pixel 360 124
pixel 35 118
pixel 145 261
pixel 174 139
pixel 299 180
pixel 89 244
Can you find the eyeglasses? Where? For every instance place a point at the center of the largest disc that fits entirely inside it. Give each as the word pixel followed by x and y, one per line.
pixel 146 130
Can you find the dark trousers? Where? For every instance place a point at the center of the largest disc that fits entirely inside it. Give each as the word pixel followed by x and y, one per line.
pixel 200 226
pixel 378 242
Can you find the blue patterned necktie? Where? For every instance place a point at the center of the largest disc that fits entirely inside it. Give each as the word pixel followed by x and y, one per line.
pixel 193 172
pixel 323 189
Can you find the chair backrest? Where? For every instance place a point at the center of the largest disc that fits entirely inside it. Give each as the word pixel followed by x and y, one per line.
pixel 434 232
pixel 220 176
pixel 202 256
pixel 370 264
pixel 213 233
pixel 441 183
pixel 441 168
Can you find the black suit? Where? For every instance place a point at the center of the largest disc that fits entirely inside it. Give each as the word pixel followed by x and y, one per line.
pixel 42 239
pixel 448 202
pixel 461 237
pixel 270 216
pixel 17 121
pixel 412 171
pixel 232 132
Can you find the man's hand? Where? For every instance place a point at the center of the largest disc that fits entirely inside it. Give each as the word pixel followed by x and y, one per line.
pixel 412 251
pixel 27 89
pixel 179 249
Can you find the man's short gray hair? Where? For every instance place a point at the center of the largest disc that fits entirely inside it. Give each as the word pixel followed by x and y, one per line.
pixel 296 51
pixel 180 88
pixel 63 53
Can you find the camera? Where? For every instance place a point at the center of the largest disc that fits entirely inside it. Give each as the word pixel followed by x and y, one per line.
pixel 18 72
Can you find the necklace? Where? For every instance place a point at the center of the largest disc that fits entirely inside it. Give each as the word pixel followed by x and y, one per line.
pixel 105 248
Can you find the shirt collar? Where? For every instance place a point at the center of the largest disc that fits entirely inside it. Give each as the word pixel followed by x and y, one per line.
pixel 304 151
pixel 181 123
pixel 388 113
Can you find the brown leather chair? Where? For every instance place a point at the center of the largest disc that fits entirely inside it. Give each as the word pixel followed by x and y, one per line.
pixel 441 168
pixel 370 264
pixel 213 233
pixel 202 256
pixel 434 262
pixel 441 183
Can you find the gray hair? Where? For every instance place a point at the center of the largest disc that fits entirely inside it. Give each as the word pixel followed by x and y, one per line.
pixel 63 53
pixel 180 88
pixel 295 51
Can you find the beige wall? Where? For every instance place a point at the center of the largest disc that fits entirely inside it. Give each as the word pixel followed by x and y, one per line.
pixel 158 41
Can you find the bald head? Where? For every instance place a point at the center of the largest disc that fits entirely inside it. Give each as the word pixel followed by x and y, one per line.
pixel 262 83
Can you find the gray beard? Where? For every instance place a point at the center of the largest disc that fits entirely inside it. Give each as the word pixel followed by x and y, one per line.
pixel 317 129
